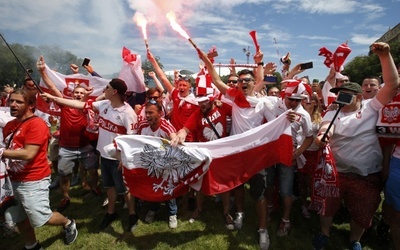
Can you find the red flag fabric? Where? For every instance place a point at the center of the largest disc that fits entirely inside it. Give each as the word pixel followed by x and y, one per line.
pixel 215 167
pixel 340 56
pixel 325 182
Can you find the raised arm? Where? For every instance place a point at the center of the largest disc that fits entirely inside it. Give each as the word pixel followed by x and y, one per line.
pixel 222 87
pixel 389 72
pixel 160 72
pixel 49 83
pixel 156 81
pixel 62 101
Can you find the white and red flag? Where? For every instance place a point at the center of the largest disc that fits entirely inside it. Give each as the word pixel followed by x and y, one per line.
pixel 155 171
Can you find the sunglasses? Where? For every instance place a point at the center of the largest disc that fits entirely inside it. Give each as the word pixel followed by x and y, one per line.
pixel 233 81
pixel 294 100
pixel 246 80
pixel 153 97
pixel 183 78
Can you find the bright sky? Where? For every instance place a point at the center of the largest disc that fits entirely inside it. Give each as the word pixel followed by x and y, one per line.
pixel 99 29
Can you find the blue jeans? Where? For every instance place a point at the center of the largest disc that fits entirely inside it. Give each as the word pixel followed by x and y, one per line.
pixel 111 176
pixel 172 207
pixel 286 178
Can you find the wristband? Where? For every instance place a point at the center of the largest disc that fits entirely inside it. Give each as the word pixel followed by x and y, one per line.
pixel 260 64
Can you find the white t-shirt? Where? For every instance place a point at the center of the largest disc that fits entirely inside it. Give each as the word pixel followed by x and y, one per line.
pixel 113 122
pixel 354 143
pixel 5 117
pixel 163 131
pixel 247 113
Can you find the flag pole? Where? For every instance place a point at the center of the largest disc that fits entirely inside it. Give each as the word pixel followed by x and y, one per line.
pixel 20 63
pixel 331 123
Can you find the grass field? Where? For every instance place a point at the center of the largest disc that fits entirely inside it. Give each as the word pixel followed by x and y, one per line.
pixel 208 232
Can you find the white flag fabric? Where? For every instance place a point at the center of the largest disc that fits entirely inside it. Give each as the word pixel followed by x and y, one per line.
pixel 155 171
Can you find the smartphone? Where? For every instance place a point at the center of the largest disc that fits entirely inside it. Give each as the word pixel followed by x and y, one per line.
pixel 85 62
pixel 270 78
pixel 307 65
pixel 344 98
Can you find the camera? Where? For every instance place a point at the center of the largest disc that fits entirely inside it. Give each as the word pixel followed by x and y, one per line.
pixel 308 65
pixel 85 62
pixel 344 98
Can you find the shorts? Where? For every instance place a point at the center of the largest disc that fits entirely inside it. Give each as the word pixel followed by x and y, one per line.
pixel 33 202
pixel 311 162
pixel 68 156
pixel 392 186
pixel 361 194
pixel 258 185
pixel 111 176
pixel 53 149
pixel 286 178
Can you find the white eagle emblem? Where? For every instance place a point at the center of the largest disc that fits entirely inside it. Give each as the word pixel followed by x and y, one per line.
pixel 169 163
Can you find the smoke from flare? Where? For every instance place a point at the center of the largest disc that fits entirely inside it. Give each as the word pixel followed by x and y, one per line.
pixel 174 24
pixel 141 21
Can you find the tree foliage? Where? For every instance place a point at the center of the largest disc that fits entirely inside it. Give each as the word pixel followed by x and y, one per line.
pixel 11 71
pixel 363 66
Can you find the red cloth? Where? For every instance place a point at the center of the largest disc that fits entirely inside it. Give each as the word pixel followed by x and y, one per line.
pixel 72 128
pixel 325 182
pixel 32 132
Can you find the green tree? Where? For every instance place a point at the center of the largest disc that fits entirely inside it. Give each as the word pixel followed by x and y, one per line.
pixel 364 66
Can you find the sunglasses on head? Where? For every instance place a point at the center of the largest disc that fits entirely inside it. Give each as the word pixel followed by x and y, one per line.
pixel 183 78
pixel 247 79
pixel 153 97
pixel 232 81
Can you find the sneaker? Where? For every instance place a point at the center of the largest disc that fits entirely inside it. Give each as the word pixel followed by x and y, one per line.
pixel 74 180
pixel 37 247
pixel 229 222
pixel 264 239
pixel 63 204
pixel 133 222
pixel 305 212
pixel 10 230
pixel 191 204
pixel 284 228
pixel 173 221
pixel 239 220
pixel 355 245
pixel 195 215
pixel 107 219
pixel 71 233
pixel 150 216
pixel 319 241
pixel 105 202
pixel 55 183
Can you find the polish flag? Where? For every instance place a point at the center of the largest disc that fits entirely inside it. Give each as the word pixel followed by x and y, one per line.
pixel 155 171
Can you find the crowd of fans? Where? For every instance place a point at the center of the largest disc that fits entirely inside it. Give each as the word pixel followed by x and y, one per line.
pixel 364 159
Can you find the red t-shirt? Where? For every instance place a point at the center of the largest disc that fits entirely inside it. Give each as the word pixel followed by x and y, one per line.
pixel 201 129
pixel 181 113
pixel 34 132
pixel 72 128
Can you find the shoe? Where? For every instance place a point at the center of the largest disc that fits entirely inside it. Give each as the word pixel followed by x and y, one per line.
pixel 133 222
pixel 55 183
pixel 355 245
pixel 284 228
pixel 71 233
pixel 37 247
pixel 74 180
pixel 105 202
pixel 150 216
pixel 319 241
pixel 107 219
pixel 10 230
pixel 264 239
pixel 229 222
pixel 239 220
pixel 63 204
pixel 191 204
pixel 173 222
pixel 305 212
pixel 195 215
